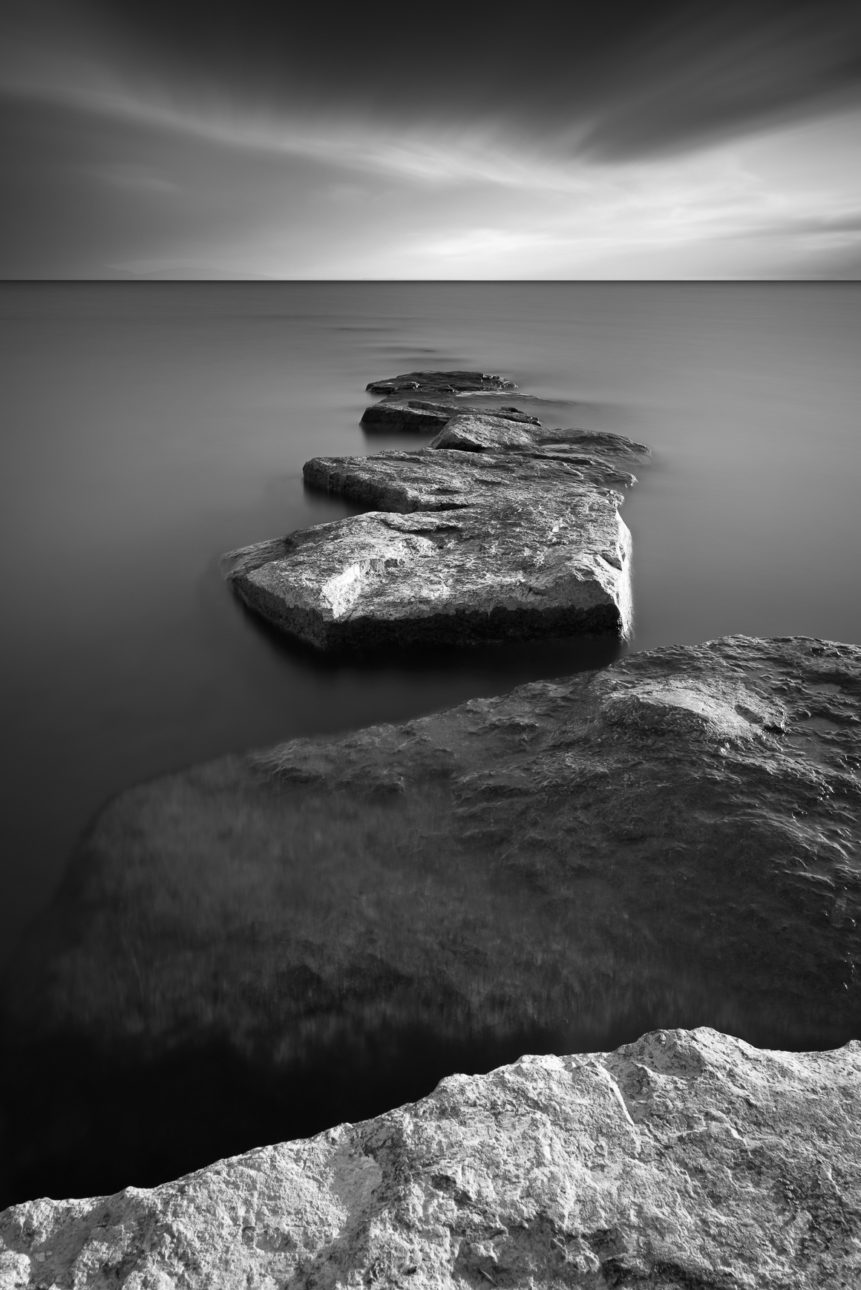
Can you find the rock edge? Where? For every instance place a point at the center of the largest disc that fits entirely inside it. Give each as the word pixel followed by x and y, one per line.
pixel 685 1159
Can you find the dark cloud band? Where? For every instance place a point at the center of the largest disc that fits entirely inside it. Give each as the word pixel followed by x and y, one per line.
pixel 622 78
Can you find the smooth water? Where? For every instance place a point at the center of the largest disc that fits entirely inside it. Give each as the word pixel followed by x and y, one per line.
pixel 149 428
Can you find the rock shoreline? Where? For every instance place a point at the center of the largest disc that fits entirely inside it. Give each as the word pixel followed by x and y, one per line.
pixel 686 1159
pixel 515 535
pixel 674 836
pixel 667 841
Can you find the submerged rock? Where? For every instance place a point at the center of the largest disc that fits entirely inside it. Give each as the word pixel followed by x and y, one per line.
pixel 441 383
pixel 672 841
pixel 685 1159
pixel 531 545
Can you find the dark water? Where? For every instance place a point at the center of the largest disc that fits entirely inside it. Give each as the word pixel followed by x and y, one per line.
pixel 149 428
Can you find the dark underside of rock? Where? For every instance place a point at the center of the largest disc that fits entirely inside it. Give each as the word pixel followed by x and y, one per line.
pixel 670 841
pixel 684 1161
pixel 524 541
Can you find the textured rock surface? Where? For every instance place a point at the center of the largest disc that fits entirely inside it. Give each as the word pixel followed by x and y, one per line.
pixel 432 479
pixel 492 432
pixel 674 840
pixel 472 432
pixel 531 543
pixel 441 383
pixel 445 578
pixel 684 1161
pixel 395 417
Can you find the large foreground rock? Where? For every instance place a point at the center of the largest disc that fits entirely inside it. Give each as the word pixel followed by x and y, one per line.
pixel 672 841
pixel 529 543
pixel 684 1161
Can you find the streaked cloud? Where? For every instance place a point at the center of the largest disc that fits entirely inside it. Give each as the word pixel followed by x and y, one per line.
pixel 688 144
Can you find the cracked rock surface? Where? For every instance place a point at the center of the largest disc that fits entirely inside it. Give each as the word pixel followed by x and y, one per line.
pixel 684 1161
pixel 528 543
pixel 673 840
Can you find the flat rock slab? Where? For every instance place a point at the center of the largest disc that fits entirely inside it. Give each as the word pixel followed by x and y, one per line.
pixel 685 1159
pixel 447 577
pixel 472 431
pixel 400 416
pixel 542 550
pixel 436 384
pixel 674 840
pixel 434 479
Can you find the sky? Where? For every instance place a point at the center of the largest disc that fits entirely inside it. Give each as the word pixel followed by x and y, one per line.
pixel 205 139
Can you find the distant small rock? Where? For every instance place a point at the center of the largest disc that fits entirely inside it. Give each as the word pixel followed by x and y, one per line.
pixel 684 1159
pixel 438 383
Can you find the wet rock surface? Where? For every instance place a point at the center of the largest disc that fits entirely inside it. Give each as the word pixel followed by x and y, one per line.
pixel 685 1159
pixel 531 544
pixel 674 840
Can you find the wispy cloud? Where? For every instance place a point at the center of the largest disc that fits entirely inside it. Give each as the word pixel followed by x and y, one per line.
pixel 708 151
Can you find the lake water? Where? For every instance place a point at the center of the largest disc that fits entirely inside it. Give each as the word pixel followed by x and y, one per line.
pixel 148 428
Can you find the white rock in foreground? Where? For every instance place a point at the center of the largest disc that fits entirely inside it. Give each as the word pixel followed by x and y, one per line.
pixel 685 1160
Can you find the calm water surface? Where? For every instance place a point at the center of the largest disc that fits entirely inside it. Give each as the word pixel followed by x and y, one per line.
pixel 149 428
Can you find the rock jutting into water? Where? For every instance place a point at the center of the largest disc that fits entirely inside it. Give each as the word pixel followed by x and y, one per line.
pixel 670 841
pixel 685 1159
pixel 525 540
pixel 434 384
pixel 413 414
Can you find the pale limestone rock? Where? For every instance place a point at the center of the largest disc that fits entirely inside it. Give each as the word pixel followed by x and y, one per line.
pixel 684 1160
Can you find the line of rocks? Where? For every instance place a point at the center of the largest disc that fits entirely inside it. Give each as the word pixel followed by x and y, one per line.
pixel 676 836
pixel 498 530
